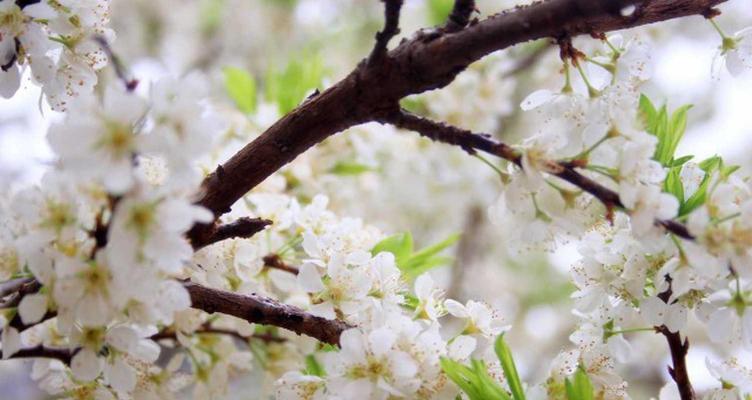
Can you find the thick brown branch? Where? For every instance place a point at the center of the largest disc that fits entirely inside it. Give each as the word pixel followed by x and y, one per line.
pixel 243 227
pixel 262 310
pixel 429 60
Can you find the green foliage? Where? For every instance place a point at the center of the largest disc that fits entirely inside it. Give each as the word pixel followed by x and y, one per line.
pixel 313 367
pixel 474 380
pixel 673 184
pixel 413 264
pixel 510 370
pixel 287 87
pixel 709 166
pixel 438 10
pixel 669 129
pixel 349 168
pixel 241 87
pixel 579 387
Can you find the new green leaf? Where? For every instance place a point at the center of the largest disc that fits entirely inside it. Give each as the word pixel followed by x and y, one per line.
pixel 241 87
pixel 510 370
pixel 579 387
pixel 412 264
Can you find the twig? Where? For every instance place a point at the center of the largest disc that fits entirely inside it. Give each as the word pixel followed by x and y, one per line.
pixel 391 29
pixel 12 286
pixel 41 351
pixel 679 350
pixel 460 16
pixel 275 261
pixel 120 70
pixel 265 337
pixel 263 310
pixel 243 227
pixel 471 142
pixel 27 288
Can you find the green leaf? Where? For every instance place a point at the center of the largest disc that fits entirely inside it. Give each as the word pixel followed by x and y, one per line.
pixel 412 264
pixel 288 87
pixel 474 380
pixel 680 161
pixel 668 130
pixel 510 370
pixel 313 367
pixel 580 387
pixel 711 164
pixel 426 254
pixel 241 87
pixel 347 168
pixel 673 184
pixel 726 171
pixel 438 10
pixel 648 113
pixel 401 245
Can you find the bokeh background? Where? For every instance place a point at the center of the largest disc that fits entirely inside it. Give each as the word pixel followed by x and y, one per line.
pixel 395 180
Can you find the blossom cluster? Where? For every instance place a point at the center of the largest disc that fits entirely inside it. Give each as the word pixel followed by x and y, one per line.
pixel 634 275
pixel 103 234
pixel 57 41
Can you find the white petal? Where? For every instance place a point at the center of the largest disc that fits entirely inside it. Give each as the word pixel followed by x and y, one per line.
pixel 32 308
pixel 381 341
pixel 456 308
pixel 536 99
pixel 676 318
pixel 10 81
pixel 120 375
pixel 721 325
pixel 11 341
pixel 654 311
pixel 461 347
pixel 85 365
pixel 734 63
pixel 122 338
pixel 309 278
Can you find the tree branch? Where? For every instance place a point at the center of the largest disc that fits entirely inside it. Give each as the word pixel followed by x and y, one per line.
pixel 243 227
pixel 470 142
pixel 275 261
pixel 263 310
pixel 429 60
pixel 41 351
pixel 679 350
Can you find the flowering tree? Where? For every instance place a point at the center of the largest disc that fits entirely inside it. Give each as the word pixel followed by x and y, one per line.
pixel 135 271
